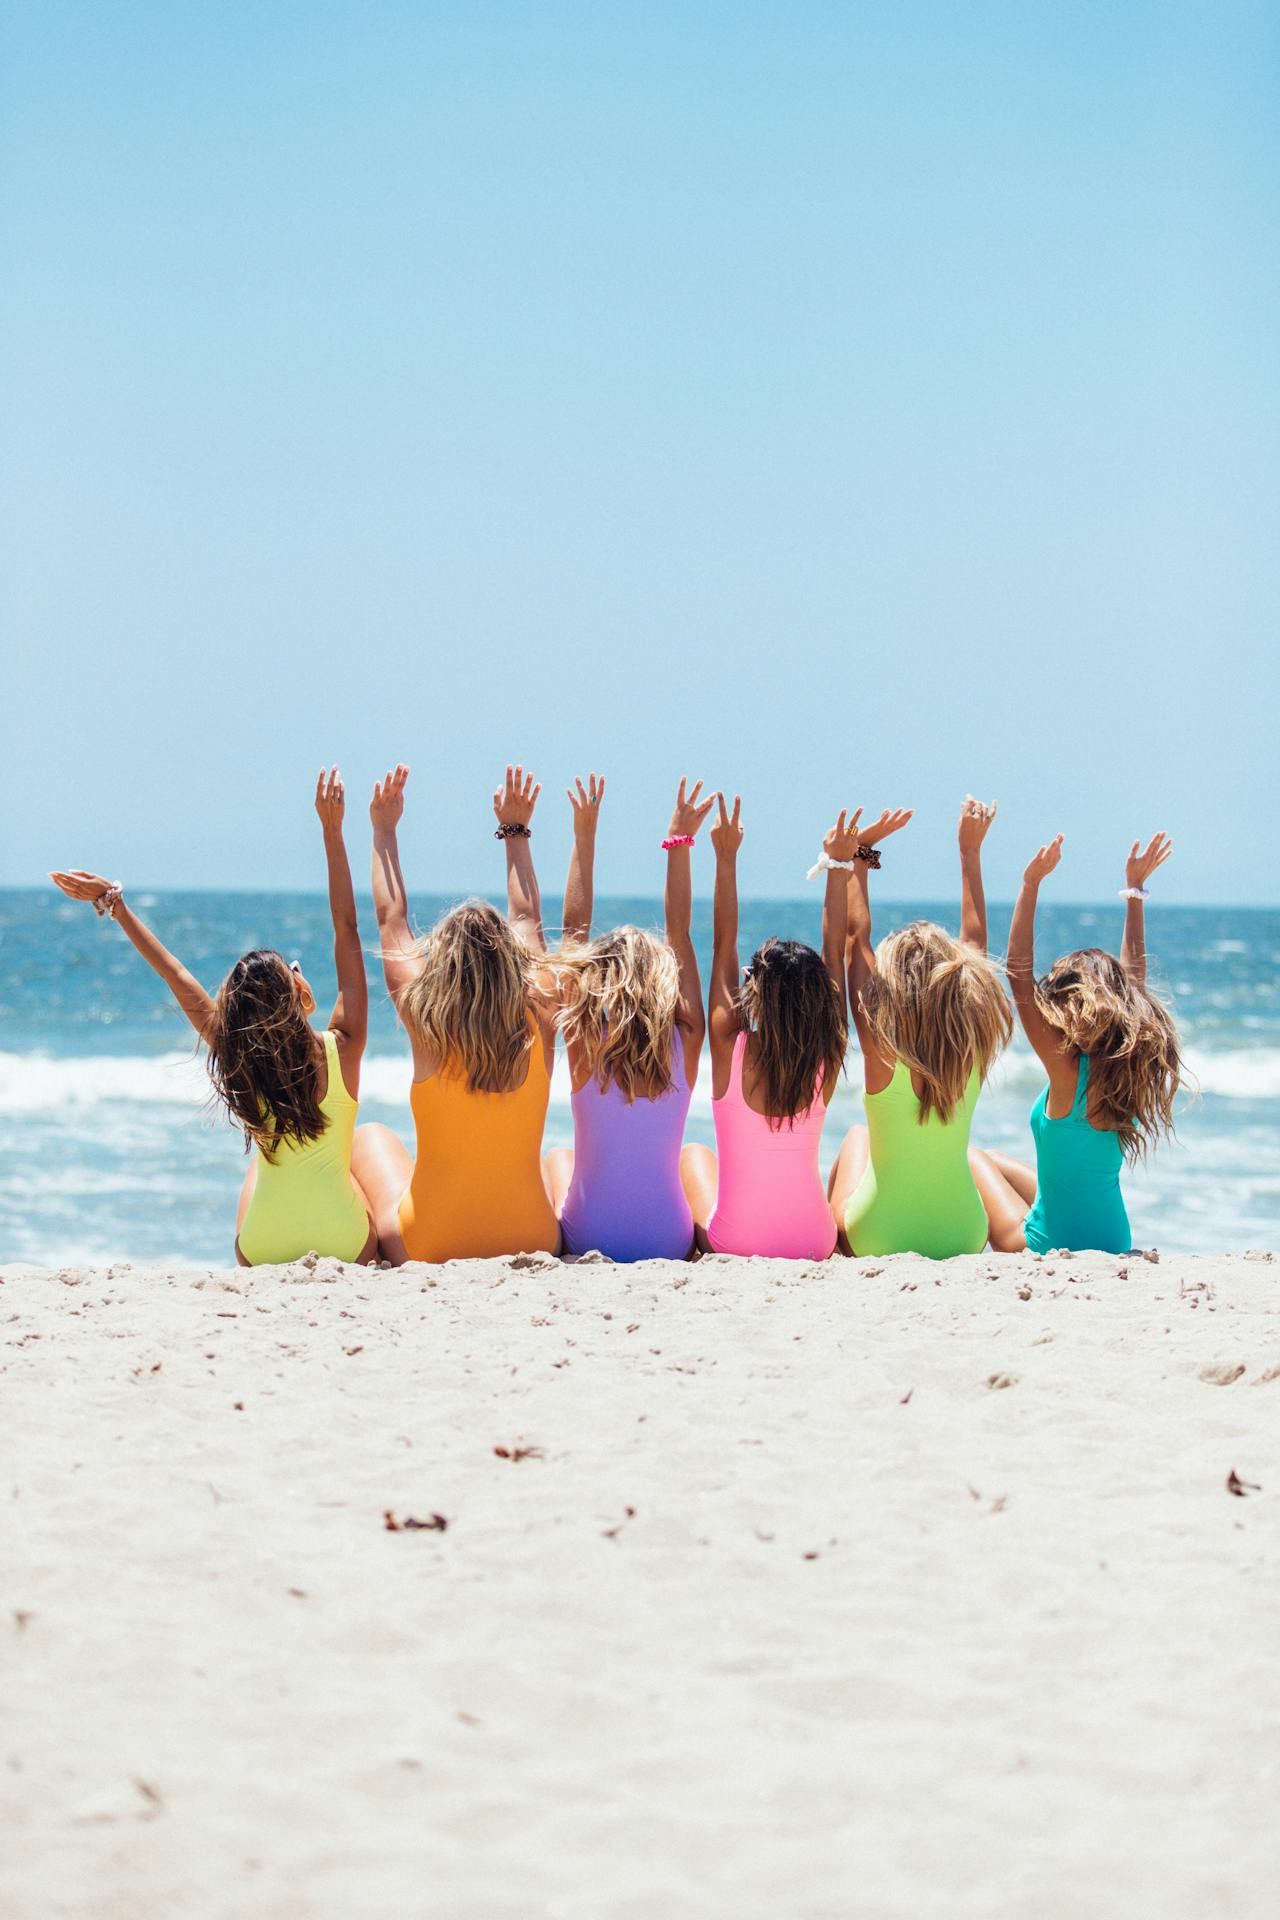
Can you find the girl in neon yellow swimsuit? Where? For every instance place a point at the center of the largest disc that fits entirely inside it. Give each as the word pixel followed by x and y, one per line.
pixel 931 1016
pixel 290 1090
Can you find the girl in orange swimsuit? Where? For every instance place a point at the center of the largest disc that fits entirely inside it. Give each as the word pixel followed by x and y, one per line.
pixel 481 1020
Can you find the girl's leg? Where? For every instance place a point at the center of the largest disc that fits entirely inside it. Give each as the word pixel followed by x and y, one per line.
pixel 382 1170
pixel 557 1172
pixel 368 1254
pixel 699 1177
pixel 246 1195
pixel 1020 1176
pixel 847 1170
pixel 1006 1206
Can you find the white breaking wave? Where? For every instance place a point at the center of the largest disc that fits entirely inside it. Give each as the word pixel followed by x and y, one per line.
pixel 1250 1073
pixel 40 1083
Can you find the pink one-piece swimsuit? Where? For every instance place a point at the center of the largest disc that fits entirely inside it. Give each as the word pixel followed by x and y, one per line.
pixel 770 1198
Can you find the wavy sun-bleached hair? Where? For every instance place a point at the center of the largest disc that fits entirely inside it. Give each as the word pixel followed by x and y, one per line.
pixel 263 1059
pixel 939 1006
pixel 469 1006
pixel 796 1013
pixel 619 997
pixel 1135 1063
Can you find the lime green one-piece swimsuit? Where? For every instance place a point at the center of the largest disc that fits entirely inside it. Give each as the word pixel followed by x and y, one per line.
pixel 304 1198
pixel 917 1194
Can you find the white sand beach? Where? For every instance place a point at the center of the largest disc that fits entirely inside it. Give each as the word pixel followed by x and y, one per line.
pixel 876 1589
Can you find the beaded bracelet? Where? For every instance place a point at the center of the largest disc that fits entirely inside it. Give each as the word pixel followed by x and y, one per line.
pixel 677 840
pixel 512 830
pixel 870 854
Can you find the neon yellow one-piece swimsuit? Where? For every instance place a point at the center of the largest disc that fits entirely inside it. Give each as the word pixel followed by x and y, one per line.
pixel 917 1194
pixel 304 1200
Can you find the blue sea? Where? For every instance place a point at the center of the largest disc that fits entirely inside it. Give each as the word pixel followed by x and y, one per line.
pixel 109 1148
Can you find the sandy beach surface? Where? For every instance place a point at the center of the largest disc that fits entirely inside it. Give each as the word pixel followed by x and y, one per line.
pixel 875 1589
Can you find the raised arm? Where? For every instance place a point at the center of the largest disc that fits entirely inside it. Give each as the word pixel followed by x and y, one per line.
pixel 687 816
pixel 109 899
pixel 1021 969
pixel 1139 867
pixel 400 961
pixel 860 956
pixel 350 1016
pixel 975 818
pixel 839 858
pixel 579 888
pixel 722 998
pixel 513 806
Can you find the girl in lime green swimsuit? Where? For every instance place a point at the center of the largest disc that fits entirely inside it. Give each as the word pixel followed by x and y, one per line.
pixel 290 1090
pixel 931 1018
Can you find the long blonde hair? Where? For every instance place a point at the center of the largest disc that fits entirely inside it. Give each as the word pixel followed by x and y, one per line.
pixel 1135 1064
pixel 937 1005
pixel 619 998
pixel 469 1007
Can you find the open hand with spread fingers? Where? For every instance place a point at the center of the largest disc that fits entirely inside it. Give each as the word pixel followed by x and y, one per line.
pixel 892 820
pixel 975 818
pixel 1143 861
pixel 689 811
pixel 387 803
pixel 331 801
pixel 586 805
pixel 726 834
pixel 514 802
pixel 1043 862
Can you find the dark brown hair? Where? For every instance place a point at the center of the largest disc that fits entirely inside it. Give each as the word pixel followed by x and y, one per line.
pixel 1128 1036
pixel 263 1057
pixel 794 1008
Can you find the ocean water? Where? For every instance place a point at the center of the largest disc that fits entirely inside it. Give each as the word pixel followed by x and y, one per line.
pixel 109 1148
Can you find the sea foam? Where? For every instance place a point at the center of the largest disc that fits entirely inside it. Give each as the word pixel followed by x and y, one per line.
pixel 39 1082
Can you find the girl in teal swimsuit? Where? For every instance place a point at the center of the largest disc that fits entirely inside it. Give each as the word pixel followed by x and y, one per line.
pixel 932 1017
pixel 1110 1050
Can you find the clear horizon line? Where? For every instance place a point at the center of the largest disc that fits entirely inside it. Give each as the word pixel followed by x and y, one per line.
pixel 788 899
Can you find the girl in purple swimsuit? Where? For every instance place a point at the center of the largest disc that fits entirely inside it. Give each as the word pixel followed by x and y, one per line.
pixel 632 1019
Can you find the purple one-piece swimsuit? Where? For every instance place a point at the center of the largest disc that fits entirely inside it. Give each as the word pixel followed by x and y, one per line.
pixel 625 1198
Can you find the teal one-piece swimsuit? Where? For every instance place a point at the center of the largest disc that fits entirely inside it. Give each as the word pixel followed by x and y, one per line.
pixel 1078 1200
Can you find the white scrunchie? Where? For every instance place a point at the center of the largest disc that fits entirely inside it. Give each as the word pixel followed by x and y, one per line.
pixel 824 862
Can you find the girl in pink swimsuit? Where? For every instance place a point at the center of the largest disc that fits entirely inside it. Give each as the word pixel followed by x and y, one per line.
pixel 778 1036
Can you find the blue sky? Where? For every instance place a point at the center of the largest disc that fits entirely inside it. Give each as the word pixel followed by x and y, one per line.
pixel 846 403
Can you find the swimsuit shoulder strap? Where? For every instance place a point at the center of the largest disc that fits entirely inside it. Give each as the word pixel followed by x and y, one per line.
pixel 337 1086
pixel 734 1089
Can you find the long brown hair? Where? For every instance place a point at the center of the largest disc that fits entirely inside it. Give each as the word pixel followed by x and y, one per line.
pixel 469 1007
pixel 264 1058
pixel 796 1012
pixel 1135 1063
pixel 939 1006
pixel 619 1001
